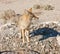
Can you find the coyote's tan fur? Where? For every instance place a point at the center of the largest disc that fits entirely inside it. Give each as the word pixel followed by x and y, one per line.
pixel 24 23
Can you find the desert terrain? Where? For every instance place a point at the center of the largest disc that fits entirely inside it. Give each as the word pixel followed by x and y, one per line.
pixel 44 32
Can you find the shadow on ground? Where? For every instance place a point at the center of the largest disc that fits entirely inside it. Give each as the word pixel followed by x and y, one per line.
pixel 6 52
pixel 45 32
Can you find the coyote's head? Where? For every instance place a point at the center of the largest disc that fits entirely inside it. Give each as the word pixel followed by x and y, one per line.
pixel 29 13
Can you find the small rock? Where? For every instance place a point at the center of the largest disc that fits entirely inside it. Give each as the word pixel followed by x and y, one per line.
pixel 7 38
pixel 48 7
pixel 36 43
pixel 58 39
pixel 36 6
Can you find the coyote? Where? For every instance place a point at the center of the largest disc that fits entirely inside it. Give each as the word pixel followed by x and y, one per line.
pixel 24 23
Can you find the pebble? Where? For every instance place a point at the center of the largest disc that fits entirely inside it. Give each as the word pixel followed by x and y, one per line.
pixel 9 34
pixel 58 39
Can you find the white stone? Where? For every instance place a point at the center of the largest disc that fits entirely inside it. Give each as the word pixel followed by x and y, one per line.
pixel 7 37
pixel 58 39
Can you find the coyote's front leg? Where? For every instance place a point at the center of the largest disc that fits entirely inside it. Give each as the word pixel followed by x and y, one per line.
pixel 27 35
pixel 23 35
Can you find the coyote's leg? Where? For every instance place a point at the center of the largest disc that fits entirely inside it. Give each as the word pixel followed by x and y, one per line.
pixel 23 35
pixel 27 35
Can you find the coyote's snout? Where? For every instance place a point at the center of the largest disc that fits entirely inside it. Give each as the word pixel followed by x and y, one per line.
pixel 24 23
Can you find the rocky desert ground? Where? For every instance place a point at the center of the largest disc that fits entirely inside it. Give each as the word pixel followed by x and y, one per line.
pixel 44 32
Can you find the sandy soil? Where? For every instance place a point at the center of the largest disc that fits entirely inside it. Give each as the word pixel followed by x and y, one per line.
pixel 20 5
pixel 45 35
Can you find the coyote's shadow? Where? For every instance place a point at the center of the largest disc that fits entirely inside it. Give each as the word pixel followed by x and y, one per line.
pixel 46 32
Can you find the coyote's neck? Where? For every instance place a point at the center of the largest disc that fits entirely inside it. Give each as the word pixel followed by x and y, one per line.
pixel 27 17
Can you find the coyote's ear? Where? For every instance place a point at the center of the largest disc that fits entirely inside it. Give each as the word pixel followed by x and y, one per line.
pixel 30 9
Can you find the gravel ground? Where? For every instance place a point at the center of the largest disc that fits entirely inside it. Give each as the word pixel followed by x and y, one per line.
pixel 44 34
pixel 42 39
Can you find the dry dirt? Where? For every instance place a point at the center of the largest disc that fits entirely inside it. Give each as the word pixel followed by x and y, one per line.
pixel 44 33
